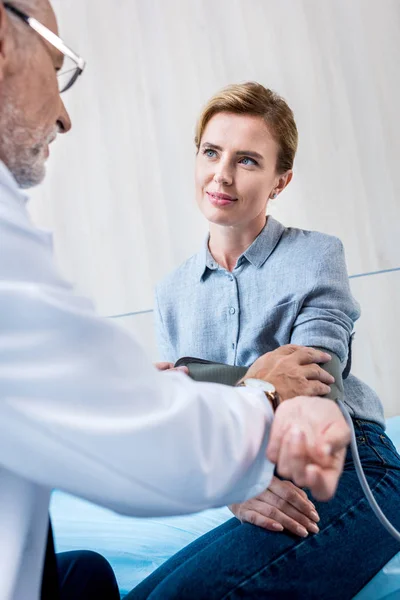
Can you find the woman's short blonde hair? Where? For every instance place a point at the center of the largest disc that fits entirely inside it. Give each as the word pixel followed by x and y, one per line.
pixel 254 99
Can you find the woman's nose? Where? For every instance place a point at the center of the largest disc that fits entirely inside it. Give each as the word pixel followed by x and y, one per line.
pixel 222 177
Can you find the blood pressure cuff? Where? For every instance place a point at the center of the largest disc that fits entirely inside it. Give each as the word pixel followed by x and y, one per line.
pixel 334 368
pixel 205 370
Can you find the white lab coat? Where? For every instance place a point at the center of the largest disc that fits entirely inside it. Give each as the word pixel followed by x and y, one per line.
pixel 83 410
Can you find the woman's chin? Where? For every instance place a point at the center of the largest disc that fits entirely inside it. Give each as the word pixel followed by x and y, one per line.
pixel 218 216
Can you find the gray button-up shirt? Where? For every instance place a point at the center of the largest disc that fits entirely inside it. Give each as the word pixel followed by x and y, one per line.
pixel 289 286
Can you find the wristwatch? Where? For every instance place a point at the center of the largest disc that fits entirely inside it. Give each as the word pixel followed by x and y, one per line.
pixel 268 389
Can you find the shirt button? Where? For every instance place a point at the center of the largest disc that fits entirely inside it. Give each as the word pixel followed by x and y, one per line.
pixel 231 277
pixel 232 310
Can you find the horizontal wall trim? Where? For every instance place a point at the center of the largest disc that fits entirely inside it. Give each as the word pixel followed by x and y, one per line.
pixel 356 276
pixel 374 273
pixel 131 314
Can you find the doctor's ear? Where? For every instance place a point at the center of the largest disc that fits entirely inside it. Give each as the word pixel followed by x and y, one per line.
pixel 7 41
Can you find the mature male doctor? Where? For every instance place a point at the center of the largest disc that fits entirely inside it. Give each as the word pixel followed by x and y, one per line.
pixel 81 409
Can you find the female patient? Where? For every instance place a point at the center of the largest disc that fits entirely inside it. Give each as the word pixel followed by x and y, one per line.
pixel 254 286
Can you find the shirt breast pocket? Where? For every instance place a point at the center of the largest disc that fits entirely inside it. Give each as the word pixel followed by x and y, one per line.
pixel 268 330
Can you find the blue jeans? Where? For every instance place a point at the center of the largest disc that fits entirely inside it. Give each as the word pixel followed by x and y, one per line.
pixel 244 561
pixel 85 575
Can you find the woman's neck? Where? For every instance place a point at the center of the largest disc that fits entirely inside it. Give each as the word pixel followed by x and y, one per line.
pixel 226 244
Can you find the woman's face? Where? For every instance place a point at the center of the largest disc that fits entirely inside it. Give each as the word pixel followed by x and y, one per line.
pixel 236 170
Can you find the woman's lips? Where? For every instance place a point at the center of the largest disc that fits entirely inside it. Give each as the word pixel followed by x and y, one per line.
pixel 219 200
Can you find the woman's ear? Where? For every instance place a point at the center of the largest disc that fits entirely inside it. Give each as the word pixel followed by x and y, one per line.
pixel 281 182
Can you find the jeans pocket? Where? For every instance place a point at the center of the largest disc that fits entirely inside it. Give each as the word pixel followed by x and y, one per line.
pixel 392 455
pixel 371 455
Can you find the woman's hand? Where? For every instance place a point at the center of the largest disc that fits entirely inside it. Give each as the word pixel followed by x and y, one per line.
pixel 281 506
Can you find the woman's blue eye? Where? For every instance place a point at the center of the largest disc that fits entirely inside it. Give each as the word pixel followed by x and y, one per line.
pixel 209 153
pixel 248 162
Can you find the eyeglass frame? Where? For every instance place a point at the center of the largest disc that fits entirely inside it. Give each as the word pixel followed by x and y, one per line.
pixel 52 39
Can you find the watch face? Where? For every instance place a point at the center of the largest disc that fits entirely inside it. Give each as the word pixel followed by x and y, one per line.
pixel 265 386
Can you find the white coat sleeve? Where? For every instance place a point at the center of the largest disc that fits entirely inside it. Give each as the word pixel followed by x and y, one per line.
pixel 83 410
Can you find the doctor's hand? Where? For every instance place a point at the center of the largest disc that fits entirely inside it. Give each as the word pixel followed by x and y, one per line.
pixel 281 506
pixel 308 442
pixel 293 371
pixel 168 366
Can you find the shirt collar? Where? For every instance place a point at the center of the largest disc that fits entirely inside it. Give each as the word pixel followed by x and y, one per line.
pixel 257 253
pixel 205 259
pixel 264 244
pixel 7 181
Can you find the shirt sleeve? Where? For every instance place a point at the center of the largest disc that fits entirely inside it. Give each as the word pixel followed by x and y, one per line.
pixel 165 348
pixel 82 410
pixel 329 311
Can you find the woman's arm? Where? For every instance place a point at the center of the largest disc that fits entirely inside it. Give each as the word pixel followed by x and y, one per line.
pixel 328 311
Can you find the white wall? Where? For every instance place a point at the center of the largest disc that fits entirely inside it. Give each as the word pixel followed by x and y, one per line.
pixel 119 194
